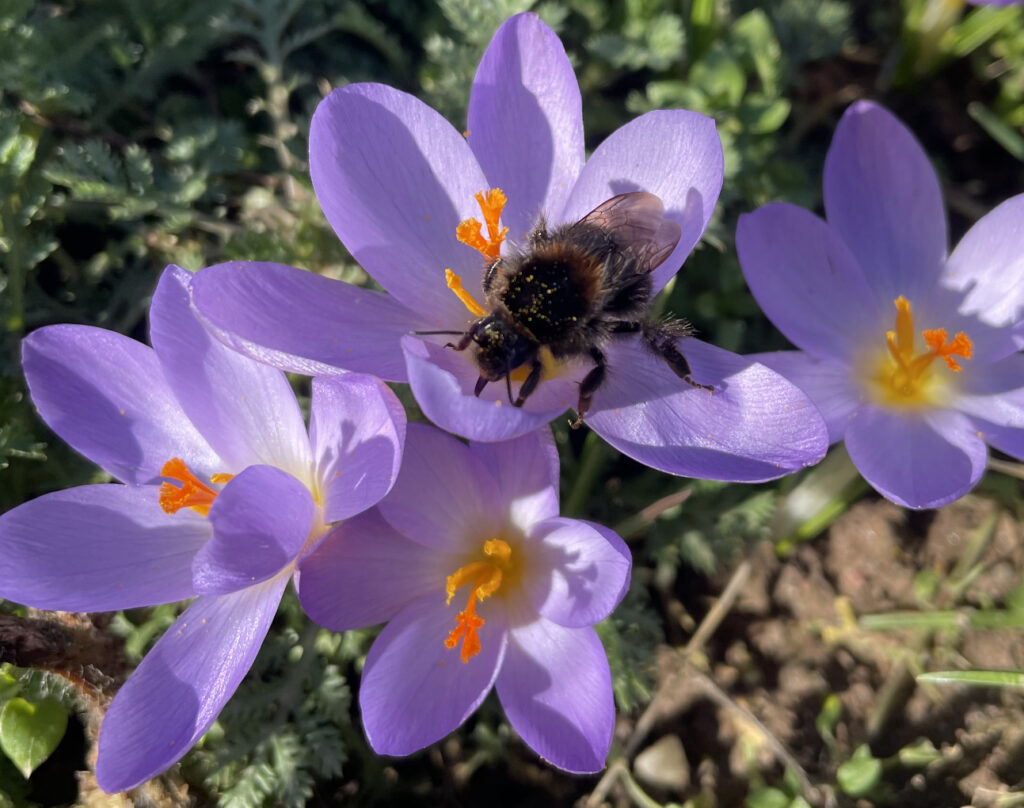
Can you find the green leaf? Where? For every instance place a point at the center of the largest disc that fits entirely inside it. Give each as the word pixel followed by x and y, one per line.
pixel 768 797
pixel 860 774
pixel 825 723
pixel 30 732
pixel 983 678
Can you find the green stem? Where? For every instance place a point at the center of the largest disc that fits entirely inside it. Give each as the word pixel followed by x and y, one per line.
pixel 590 467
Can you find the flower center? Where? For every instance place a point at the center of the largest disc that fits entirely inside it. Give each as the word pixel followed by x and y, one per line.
pixel 485 578
pixel 906 378
pixel 192 493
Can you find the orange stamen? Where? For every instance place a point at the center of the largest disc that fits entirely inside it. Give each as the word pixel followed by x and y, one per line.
pixel 193 492
pixel 470 231
pixel 908 379
pixel 960 345
pixel 455 284
pixel 486 578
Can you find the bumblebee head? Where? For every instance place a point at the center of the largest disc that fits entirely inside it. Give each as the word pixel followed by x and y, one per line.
pixel 500 346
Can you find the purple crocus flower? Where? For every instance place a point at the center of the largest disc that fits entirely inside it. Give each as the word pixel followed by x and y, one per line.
pixel 404 191
pixel 910 353
pixel 245 492
pixel 482 584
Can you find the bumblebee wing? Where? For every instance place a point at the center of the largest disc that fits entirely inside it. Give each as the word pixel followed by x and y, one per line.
pixel 636 223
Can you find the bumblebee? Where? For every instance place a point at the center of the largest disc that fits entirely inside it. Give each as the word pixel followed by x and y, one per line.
pixel 571 289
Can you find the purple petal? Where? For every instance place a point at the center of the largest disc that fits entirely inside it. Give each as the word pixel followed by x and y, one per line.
pixel 830 385
pixel 808 282
pixel 577 571
pixel 364 572
pixel 98 548
pixel 357 428
pixel 414 690
pixel 916 461
pixel 246 410
pixel 302 322
pixel 526 470
pixel 395 179
pixel 882 196
pixel 178 690
pixel 755 426
pixel 1005 439
pixel 676 155
pixel 556 689
pixel 988 264
pixel 994 392
pixel 260 521
pixel 526 121
pixel 442 381
pixel 106 396
pixel 444 497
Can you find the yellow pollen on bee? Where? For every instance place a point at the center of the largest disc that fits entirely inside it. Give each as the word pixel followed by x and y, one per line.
pixel 470 231
pixel 192 493
pixel 485 577
pixel 905 377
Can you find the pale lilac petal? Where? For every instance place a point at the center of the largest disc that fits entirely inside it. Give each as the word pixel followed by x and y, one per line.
pixel 916 461
pixel 830 385
pixel 444 497
pixel 442 381
pixel 260 521
pixel 395 179
pixel 98 548
pixel 755 426
pixel 526 470
pixel 302 322
pixel 414 690
pixel 181 686
pixel 356 429
pixel 246 410
pixel 106 396
pixel 807 281
pixel 577 571
pixel 1005 439
pixel 676 155
pixel 882 196
pixel 526 121
pixel 994 392
pixel 988 264
pixel 364 572
pixel 556 689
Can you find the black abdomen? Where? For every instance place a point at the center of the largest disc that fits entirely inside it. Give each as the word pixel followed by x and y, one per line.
pixel 544 296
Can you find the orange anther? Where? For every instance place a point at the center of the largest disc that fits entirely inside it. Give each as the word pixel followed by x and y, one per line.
pixel 192 493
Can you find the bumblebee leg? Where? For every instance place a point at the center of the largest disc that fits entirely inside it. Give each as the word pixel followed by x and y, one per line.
pixel 461 345
pixel 589 386
pixel 508 388
pixel 662 341
pixel 481 383
pixel 529 385
pixel 625 327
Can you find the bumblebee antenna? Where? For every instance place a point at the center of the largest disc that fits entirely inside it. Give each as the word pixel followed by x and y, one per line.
pixel 481 383
pixel 508 386
pixel 430 333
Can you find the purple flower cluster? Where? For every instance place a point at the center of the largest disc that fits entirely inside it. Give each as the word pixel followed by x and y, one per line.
pixel 398 182
pixel 224 495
